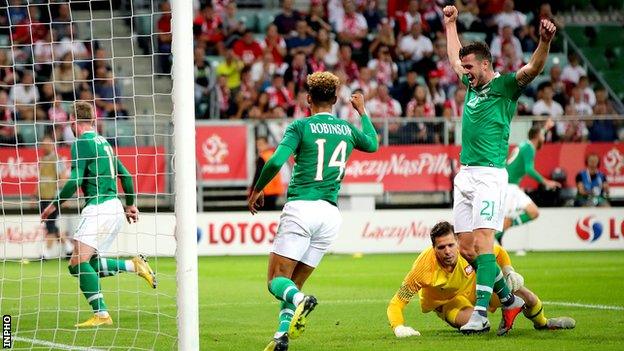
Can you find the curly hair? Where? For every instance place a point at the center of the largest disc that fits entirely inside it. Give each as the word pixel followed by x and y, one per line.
pixel 322 87
pixel 83 111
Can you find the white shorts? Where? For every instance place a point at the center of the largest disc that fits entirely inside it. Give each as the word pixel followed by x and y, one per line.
pixel 306 230
pixel 516 201
pixel 479 198
pixel 99 224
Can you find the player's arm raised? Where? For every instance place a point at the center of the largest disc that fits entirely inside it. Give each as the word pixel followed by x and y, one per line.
pixel 453 45
pixel 528 72
pixel 365 140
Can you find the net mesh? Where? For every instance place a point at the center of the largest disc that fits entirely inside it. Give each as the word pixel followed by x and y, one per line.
pixel 115 55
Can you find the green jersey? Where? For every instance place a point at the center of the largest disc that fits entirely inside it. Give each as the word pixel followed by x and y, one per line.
pixel 522 162
pixel 95 169
pixel 322 144
pixel 488 111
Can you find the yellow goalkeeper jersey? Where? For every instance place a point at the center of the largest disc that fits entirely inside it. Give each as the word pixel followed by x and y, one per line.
pixel 434 285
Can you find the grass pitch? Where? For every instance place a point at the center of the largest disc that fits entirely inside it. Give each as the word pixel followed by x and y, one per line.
pixel 238 313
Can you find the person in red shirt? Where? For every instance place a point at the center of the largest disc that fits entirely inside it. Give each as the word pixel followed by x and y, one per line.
pixel 279 94
pixel 275 44
pixel 209 30
pixel 247 48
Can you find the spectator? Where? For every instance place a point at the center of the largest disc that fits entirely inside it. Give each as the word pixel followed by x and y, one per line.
pixel 24 95
pixel 335 11
pixel 247 48
pixel 449 78
pixel 372 13
pixel 508 62
pixel 164 38
pixel 591 185
pixel 62 22
pixel 316 62
pixel 263 106
pixel 59 118
pixel 435 91
pixel 42 52
pixel 279 95
pixel 557 84
pixel 208 27
pixel 420 100
pixel 414 47
pixel 405 90
pixel 106 94
pixel 572 129
pixel 587 93
pixel 545 12
pixel 365 83
pixel 297 73
pixel 385 37
pixel 205 80
pixel 274 189
pixel 346 63
pixel 576 100
pixel 245 97
pixel 316 19
pixel 468 17
pixel 384 106
pixel 29 29
pixel 262 71
pixel 7 121
pixel 432 14
pixel 324 40
pixel 224 94
pixel 352 29
pixel 506 36
pixel 231 68
pixel 233 27
pixel 573 71
pixel 46 96
pixel 67 45
pixel 410 17
pixel 301 108
pixel 7 77
pixel 385 70
pixel 602 130
pixel 286 21
pixel 302 42
pixel 454 107
pixel 342 108
pixel 546 105
pixel 275 44
pixel 603 98
pixel 510 17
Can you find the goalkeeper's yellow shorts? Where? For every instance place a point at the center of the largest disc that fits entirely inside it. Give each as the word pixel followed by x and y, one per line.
pixel 449 311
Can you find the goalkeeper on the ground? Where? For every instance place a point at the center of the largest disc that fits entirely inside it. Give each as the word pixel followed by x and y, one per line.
pixel 95 169
pixel 445 283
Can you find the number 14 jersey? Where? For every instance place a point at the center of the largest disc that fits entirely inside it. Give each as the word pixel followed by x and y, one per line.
pixel 322 144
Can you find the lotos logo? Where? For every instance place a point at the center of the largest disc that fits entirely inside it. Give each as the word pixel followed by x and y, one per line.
pixel 588 229
pixel 614 164
pixel 215 149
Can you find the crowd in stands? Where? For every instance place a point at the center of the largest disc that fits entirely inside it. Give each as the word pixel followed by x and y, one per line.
pixel 396 56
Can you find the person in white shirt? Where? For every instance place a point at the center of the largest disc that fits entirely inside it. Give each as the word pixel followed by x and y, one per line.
pixel 415 47
pixel 573 71
pixel 384 106
pixel 25 95
pixel 352 28
pixel 365 83
pixel 546 105
pixel 581 107
pixel 587 93
pixel 506 36
pixel 509 17
pixel 385 70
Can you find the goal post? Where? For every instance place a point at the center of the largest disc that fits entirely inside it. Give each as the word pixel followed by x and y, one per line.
pixel 185 175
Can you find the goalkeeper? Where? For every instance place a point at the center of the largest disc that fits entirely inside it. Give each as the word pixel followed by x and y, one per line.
pixel 445 283
pixel 95 169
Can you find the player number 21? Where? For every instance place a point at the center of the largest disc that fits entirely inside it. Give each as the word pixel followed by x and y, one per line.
pixel 338 158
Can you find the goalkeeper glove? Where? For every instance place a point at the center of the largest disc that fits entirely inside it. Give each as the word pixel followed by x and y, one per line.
pixel 402 331
pixel 513 279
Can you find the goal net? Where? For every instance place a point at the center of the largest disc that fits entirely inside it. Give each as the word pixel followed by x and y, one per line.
pixel 116 55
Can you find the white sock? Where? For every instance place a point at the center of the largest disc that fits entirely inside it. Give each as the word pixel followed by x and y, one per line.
pixel 102 314
pixel 298 298
pixel 130 266
pixel 68 246
pixel 278 335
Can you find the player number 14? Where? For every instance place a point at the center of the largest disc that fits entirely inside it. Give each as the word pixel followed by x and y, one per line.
pixel 338 158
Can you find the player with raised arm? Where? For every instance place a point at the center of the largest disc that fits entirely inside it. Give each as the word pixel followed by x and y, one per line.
pixel 445 283
pixel 479 187
pixel 519 208
pixel 310 219
pixel 95 170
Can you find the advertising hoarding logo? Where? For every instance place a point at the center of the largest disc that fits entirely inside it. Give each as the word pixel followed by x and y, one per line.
pixel 589 229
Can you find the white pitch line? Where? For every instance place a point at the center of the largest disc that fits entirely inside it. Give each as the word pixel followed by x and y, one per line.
pixel 53 344
pixel 583 305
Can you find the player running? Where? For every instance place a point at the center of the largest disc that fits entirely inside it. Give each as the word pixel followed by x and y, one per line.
pixel 445 283
pixel 479 187
pixel 95 169
pixel 310 219
pixel 519 208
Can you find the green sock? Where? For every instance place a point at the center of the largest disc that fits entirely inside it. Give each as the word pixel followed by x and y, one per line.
pixel 287 310
pixel 521 219
pixel 501 289
pixel 90 285
pixel 106 267
pixel 286 290
pixel 486 272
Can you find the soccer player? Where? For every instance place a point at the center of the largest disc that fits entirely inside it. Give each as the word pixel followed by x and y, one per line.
pixel 479 187
pixel 95 169
pixel 310 219
pixel 445 283
pixel 519 208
